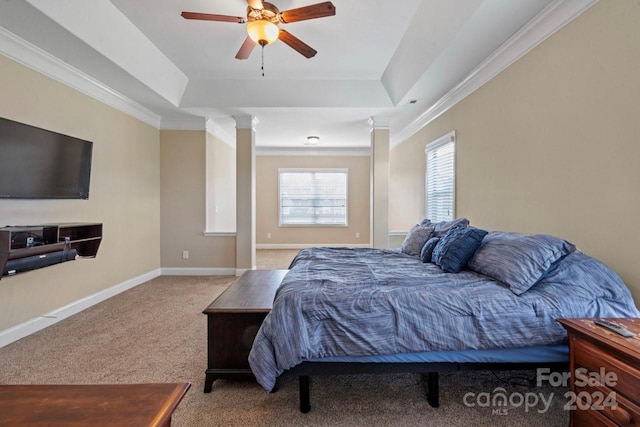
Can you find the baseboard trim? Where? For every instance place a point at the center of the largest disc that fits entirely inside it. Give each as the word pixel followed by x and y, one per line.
pixel 310 245
pixel 38 323
pixel 171 271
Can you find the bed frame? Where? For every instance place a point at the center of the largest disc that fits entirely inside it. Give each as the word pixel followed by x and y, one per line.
pixel 429 373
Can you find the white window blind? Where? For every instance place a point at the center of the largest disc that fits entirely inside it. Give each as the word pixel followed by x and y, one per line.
pixel 311 197
pixel 440 178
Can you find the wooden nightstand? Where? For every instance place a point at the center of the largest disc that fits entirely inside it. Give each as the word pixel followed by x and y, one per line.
pixel 605 373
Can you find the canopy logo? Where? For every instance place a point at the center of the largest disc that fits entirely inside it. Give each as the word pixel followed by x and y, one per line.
pixel 589 397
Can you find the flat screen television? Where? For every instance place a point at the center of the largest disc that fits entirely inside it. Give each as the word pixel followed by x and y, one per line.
pixel 39 164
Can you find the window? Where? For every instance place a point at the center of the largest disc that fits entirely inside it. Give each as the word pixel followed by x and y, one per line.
pixel 440 178
pixel 313 197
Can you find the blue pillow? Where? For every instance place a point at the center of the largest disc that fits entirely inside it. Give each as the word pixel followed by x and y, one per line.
pixel 427 249
pixel 518 260
pixel 454 250
pixel 415 239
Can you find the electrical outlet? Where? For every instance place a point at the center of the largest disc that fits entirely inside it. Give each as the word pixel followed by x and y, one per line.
pixel 185 254
pixel 268 235
pixel 357 235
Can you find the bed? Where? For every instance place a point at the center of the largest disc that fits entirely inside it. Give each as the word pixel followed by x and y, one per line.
pixel 351 310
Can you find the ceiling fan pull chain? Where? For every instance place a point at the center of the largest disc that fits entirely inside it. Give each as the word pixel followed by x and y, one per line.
pixel 262 66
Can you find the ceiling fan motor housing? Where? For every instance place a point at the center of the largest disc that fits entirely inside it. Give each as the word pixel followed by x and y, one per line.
pixel 269 12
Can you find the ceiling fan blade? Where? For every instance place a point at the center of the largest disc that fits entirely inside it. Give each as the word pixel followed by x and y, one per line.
pixel 246 48
pixel 297 44
pixel 313 11
pixel 255 4
pixel 212 17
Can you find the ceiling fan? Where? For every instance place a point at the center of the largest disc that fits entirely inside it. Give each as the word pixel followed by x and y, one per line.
pixel 263 19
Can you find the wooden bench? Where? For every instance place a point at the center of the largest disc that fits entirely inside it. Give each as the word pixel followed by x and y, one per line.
pixel 233 320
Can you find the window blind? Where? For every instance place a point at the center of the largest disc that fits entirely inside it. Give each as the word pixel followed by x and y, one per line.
pixel 440 178
pixel 313 197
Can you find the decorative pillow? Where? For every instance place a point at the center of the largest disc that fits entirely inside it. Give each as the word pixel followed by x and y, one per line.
pixel 518 260
pixel 427 249
pixel 415 240
pixel 441 228
pixel 426 223
pixel 454 250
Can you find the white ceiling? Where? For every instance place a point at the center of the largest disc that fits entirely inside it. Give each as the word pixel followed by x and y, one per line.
pixel 373 58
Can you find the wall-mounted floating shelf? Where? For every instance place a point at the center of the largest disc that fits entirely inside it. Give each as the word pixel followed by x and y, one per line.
pixel 24 248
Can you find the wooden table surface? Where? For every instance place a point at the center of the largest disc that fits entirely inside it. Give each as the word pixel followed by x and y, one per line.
pixel 251 292
pixel 102 405
pixel 586 327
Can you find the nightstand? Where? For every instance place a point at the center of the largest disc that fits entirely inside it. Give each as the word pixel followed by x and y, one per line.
pixel 605 373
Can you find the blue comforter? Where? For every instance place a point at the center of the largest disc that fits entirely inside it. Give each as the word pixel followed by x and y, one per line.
pixel 356 302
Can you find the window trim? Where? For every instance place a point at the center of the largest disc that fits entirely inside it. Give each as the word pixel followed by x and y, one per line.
pixel 314 170
pixel 437 143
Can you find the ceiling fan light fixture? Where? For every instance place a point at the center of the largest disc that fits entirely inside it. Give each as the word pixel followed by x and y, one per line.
pixel 313 140
pixel 263 32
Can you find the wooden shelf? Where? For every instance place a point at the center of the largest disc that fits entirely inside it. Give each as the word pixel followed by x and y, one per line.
pixel 34 242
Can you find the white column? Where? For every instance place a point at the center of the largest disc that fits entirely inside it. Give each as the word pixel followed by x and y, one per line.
pixel 245 193
pixel 379 184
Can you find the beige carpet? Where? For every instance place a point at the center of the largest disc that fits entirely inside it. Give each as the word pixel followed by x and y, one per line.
pixel 274 259
pixel 156 332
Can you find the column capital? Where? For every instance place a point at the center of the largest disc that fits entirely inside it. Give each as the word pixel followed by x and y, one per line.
pixel 219 132
pixel 377 123
pixel 246 121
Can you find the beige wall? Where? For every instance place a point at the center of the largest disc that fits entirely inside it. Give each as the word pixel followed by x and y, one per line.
pixel 267 201
pixel 183 205
pixel 221 185
pixel 124 195
pixel 406 183
pixel 551 144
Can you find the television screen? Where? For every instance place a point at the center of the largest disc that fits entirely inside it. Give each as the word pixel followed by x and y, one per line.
pixel 40 164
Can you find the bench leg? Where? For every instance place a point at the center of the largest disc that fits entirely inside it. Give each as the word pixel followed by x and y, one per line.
pixel 305 406
pixel 433 389
pixel 208 383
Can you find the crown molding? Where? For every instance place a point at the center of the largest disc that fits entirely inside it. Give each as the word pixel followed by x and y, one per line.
pixel 316 151
pixel 545 24
pixel 31 56
pixel 217 131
